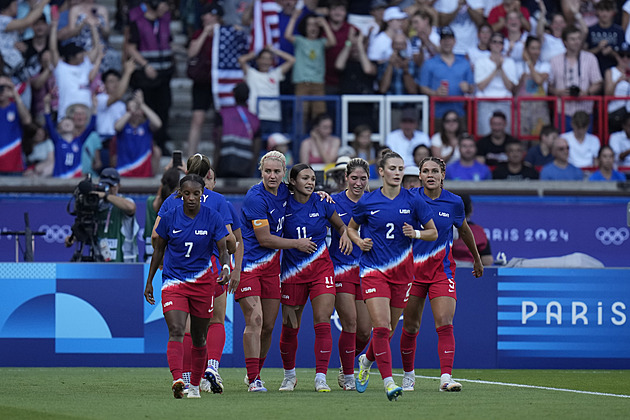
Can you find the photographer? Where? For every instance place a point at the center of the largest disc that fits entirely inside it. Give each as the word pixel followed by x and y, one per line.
pixel 117 225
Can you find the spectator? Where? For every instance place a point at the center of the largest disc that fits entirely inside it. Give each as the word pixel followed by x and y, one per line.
pixel 420 152
pixel 461 251
pixel 533 75
pixel 411 177
pixel 491 148
pixel 149 46
pixel 482 48
pixel 281 143
pixel 380 47
pixel 552 44
pixel 337 13
pixel 199 70
pixel 377 11
pixel 573 74
pixel 464 17
pixel 560 169
pixel 39 151
pixel 446 74
pixel 425 43
pixel 606 171
pixel 625 20
pixel 310 59
pixel 265 81
pixel 396 74
pixel 90 151
pixel 514 43
pixel 515 169
pixel 37 64
pixel 606 36
pixel 583 146
pixel 540 154
pixel 136 153
pixel 321 146
pixel 13 115
pixel 239 133
pixel 288 9
pixel 467 168
pixel 445 143
pixel 25 7
pixel 168 184
pixel 421 6
pixel 617 83
pixel 495 77
pixel 362 144
pixel 405 139
pixel 498 16
pixel 620 143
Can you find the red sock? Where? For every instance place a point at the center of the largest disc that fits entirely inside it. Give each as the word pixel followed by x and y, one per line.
pixel 382 352
pixel 370 351
pixel 346 351
pixel 288 346
pixel 251 364
pixel 175 357
pixel 323 347
pixel 360 346
pixel 261 362
pixel 408 350
pixel 199 360
pixel 187 349
pixel 215 341
pixel 446 348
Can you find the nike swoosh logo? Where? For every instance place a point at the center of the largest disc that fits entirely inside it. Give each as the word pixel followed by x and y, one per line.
pixel 342 214
pixel 380 354
pixel 324 351
pixel 176 231
pixel 407 352
pixel 328 286
pixel 374 211
pixel 351 351
pixel 290 214
pixel 271 212
pixel 449 351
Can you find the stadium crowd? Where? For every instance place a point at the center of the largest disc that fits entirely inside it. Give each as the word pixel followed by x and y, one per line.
pixel 57 62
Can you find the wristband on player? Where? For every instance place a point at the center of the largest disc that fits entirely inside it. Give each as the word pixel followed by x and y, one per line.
pixel 418 234
pixel 228 268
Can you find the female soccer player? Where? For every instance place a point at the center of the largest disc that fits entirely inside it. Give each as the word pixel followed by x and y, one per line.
pixel 258 294
pixel 305 274
pixel 434 270
pixel 186 238
pixel 353 315
pixel 387 218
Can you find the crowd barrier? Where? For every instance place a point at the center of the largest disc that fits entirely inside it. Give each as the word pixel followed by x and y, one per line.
pixel 95 315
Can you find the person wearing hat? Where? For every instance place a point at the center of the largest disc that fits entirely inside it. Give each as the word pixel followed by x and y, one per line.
pixel 336 174
pixel 280 143
pixel 411 177
pixel 446 74
pixel 380 47
pixel 117 225
pixel 405 139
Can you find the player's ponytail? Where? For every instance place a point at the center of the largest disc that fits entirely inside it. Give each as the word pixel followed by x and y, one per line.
pixel 387 154
pixel 198 164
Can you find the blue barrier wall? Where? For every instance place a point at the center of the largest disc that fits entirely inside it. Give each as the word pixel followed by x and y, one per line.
pixel 95 315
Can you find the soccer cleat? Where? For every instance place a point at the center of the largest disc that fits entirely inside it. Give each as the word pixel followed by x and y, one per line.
pixel 447 384
pixel 193 392
pixel 349 385
pixel 246 380
pixel 205 385
pixel 178 388
pixel 363 378
pixel 393 391
pixel 214 379
pixel 321 385
pixel 408 383
pixel 186 388
pixel 288 383
pixel 341 379
pixel 257 386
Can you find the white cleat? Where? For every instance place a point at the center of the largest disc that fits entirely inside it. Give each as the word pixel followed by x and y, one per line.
pixel 408 383
pixel 214 380
pixel 205 385
pixel 349 384
pixel 341 379
pixel 288 383
pixel 193 392
pixel 257 386
pixel 447 384
pixel 321 385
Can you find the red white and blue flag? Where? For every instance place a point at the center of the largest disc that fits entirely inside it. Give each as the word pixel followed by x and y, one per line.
pixel 228 44
pixel 265 25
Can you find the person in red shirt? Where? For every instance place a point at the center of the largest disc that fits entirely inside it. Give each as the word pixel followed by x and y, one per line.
pixel 497 17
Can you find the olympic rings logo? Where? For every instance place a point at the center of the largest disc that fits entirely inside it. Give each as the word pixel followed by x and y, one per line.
pixel 612 236
pixel 56 233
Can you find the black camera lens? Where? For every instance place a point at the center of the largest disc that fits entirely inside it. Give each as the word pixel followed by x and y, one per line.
pixel 574 91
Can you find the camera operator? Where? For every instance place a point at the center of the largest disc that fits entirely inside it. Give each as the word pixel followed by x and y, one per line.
pixel 117 225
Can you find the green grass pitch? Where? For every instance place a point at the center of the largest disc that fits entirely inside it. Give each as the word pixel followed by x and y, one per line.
pixel 144 393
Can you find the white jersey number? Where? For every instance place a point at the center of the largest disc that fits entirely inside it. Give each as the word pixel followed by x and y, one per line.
pixel 390 232
pixel 189 245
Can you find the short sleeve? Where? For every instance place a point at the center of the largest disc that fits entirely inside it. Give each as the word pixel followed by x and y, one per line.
pixel 360 212
pixel 236 221
pixel 224 211
pixel 254 208
pixel 218 229
pixel 166 205
pixel 163 225
pixel 422 209
pixel 460 214
pixel 329 208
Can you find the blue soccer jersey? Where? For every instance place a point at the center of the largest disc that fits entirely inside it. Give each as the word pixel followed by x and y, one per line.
pixel 434 260
pixel 308 220
pixel 382 220
pixel 345 210
pixel 236 221
pixel 11 139
pixel 187 258
pixel 259 208
pixel 68 155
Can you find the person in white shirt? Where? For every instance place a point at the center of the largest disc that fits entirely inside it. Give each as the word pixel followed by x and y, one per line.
pixel 464 17
pixel 404 140
pixel 619 142
pixel 583 146
pixel 482 49
pixel 380 47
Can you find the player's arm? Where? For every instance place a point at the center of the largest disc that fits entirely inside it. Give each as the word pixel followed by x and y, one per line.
pixel 353 233
pixel 159 245
pixel 429 233
pixel 230 240
pixel 154 234
pixel 235 276
pixel 469 239
pixel 345 244
pixel 267 240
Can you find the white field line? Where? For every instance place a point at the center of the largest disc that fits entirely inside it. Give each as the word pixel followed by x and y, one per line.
pixel 546 388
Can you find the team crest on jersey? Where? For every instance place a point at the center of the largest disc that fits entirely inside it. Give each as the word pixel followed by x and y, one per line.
pixel 10 116
pixel 75 148
pixel 444 214
pixel 140 131
pixel 313 215
pixel 404 211
pixel 201 232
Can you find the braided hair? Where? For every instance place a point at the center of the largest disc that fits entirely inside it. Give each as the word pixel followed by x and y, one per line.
pixel 437 160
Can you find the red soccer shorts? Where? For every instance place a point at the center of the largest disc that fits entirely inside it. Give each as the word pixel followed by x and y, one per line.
pixel 266 286
pixel 296 294
pixel 196 299
pixel 445 287
pixel 376 285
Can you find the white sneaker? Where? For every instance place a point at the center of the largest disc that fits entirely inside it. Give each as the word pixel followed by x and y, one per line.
pixel 178 388
pixel 349 385
pixel 288 383
pixel 447 384
pixel 321 385
pixel 341 379
pixel 214 379
pixel 408 383
pixel 246 380
pixel 193 392
pixel 205 385
pixel 257 386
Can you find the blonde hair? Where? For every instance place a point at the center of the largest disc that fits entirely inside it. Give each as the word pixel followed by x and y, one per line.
pixel 274 155
pixel 198 164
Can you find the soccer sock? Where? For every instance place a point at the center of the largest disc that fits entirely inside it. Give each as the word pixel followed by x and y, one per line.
pixel 323 347
pixel 251 364
pixel 215 341
pixel 288 346
pixel 261 362
pixel 187 349
pixel 369 354
pixel 408 350
pixel 446 348
pixel 289 373
pixel 175 357
pixel 186 377
pixel 346 351
pixel 199 357
pixel 382 351
pixel 360 346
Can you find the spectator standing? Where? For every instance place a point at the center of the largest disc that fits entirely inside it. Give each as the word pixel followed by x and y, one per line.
pixel 606 36
pixel 464 17
pixel 13 115
pixel 491 148
pixel 39 151
pixel 560 169
pixel 620 143
pixel 396 74
pixel 617 83
pixel 321 146
pixel 515 169
pixel 606 170
pixel 583 146
pixel 533 75
pixel 337 13
pixel 445 143
pixel 37 63
pixel 498 16
pixel 540 154
pixel 380 47
pixel 90 151
pixel 467 168
pixel 482 48
pixel 405 139
pixel 425 43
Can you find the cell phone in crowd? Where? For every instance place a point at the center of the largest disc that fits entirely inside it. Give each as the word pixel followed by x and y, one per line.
pixel 177 158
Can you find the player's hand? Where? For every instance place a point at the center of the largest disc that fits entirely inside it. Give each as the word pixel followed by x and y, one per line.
pixel 224 277
pixel 409 231
pixel 235 279
pixel 148 293
pixel 323 195
pixel 477 268
pixel 306 245
pixel 366 244
pixel 345 244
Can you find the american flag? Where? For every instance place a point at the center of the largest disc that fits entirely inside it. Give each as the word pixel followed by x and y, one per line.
pixel 265 26
pixel 228 44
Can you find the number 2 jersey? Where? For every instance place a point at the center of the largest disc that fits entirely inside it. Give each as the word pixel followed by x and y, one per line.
pixel 308 220
pixel 187 258
pixel 382 220
pixel 433 261
pixel 344 263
